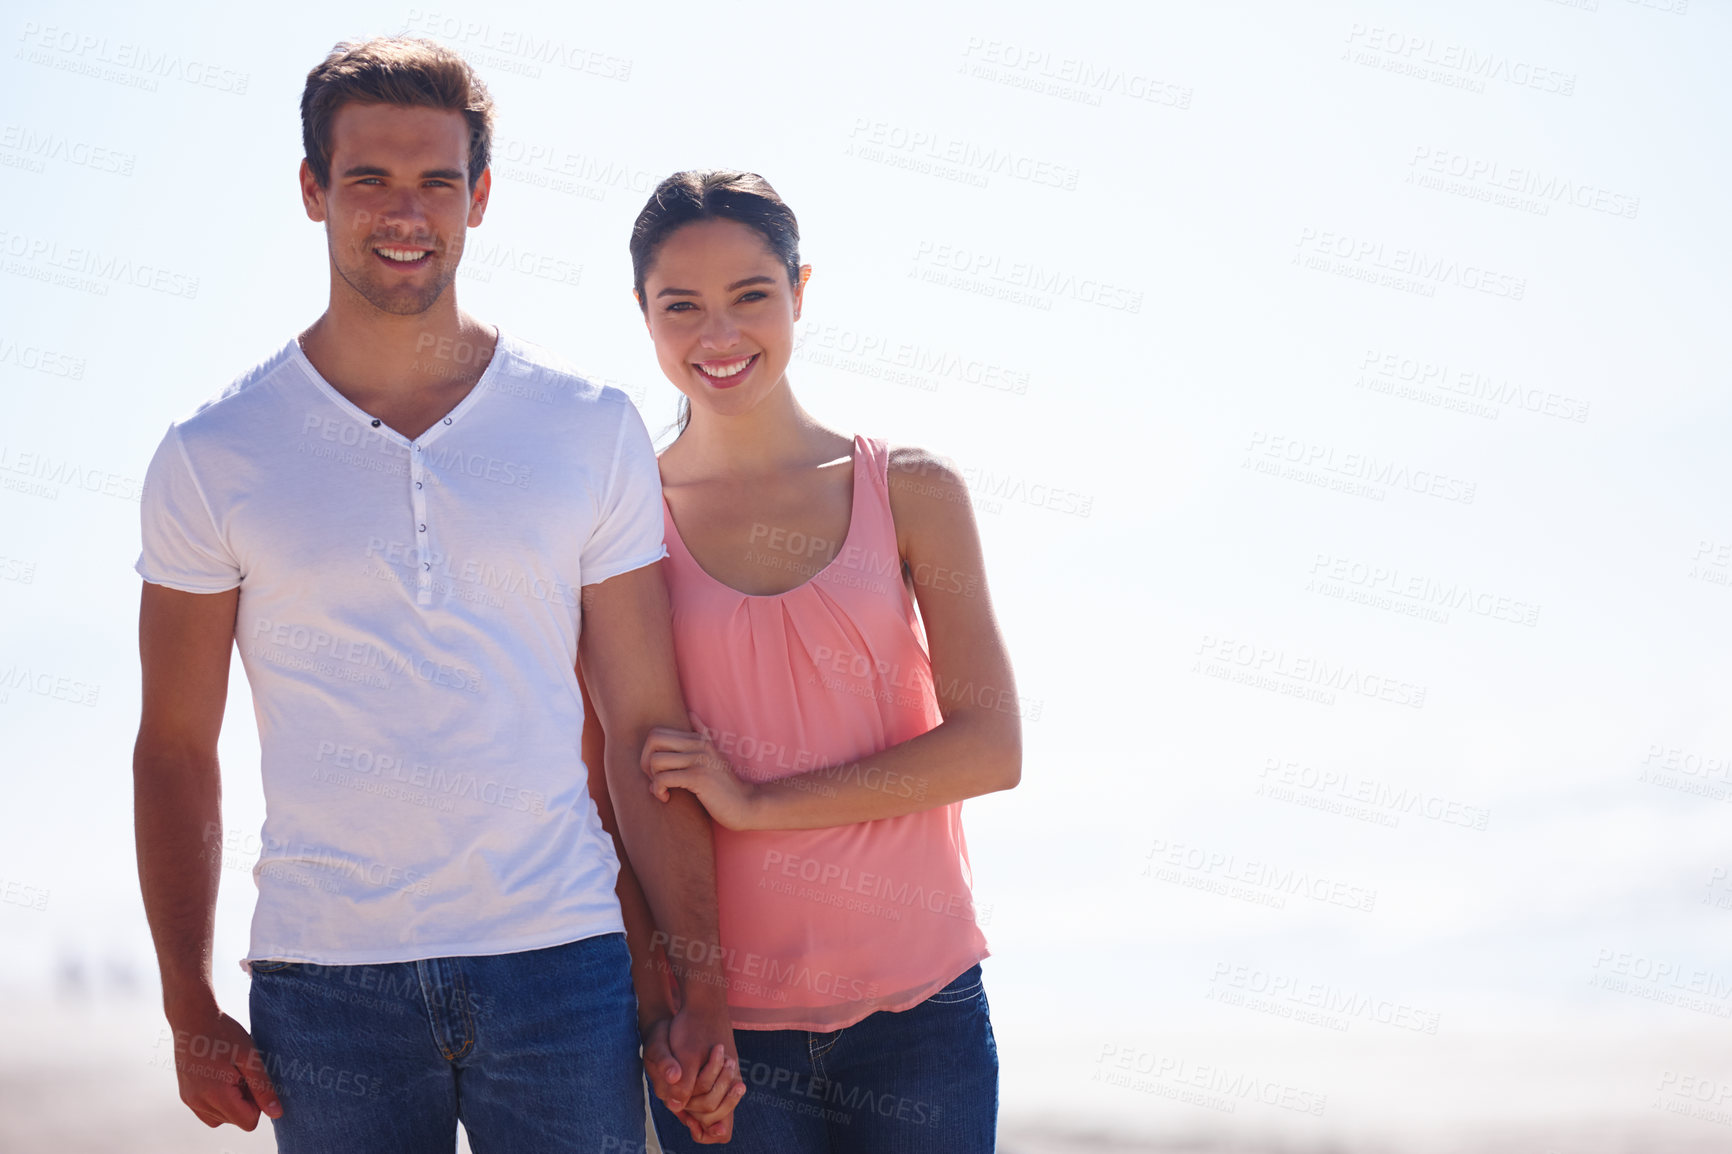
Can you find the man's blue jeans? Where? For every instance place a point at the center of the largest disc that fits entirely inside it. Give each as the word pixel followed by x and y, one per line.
pixel 530 1051
pixel 922 1081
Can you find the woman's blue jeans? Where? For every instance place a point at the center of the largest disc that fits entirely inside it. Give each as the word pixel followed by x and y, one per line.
pixel 922 1081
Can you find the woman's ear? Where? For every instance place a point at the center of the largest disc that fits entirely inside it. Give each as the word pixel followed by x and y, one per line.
pixel 800 289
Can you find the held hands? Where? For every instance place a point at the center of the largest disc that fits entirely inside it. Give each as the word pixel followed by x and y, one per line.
pixel 682 759
pixel 704 1102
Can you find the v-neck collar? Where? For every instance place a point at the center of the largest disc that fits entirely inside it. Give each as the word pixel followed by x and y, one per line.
pixel 482 384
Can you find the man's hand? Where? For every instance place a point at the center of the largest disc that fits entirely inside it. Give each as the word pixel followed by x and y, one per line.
pixel 222 1078
pixel 704 1103
pixel 702 1030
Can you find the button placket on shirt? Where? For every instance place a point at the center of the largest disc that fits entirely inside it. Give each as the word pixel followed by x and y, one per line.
pixel 418 475
pixel 418 505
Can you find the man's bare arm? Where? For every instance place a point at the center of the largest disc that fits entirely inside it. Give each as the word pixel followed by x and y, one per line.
pixel 626 650
pixel 650 971
pixel 184 641
pixel 648 980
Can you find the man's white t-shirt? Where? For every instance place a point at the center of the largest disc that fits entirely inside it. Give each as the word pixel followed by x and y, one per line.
pixel 409 622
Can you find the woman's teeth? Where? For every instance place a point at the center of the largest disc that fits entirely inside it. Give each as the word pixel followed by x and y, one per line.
pixel 728 370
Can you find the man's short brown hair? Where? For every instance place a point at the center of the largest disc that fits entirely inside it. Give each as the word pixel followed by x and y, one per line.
pixel 393 70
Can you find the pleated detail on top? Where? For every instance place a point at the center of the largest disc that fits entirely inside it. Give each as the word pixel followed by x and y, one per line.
pixel 822 927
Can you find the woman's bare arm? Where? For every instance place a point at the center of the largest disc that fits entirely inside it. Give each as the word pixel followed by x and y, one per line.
pixel 976 749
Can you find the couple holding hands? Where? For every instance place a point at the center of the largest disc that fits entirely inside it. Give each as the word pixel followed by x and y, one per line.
pixel 543 815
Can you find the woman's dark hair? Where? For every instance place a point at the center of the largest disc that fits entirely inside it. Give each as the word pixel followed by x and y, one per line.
pixel 712 194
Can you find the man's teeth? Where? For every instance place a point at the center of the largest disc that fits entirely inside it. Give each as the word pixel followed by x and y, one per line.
pixel 729 370
pixel 403 254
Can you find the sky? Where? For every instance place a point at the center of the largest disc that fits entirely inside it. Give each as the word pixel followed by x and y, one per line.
pixel 1342 391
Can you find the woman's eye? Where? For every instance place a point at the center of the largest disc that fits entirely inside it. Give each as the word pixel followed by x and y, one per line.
pixel 681 307
pixel 754 295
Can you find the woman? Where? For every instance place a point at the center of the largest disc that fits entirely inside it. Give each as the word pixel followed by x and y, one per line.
pixel 811 575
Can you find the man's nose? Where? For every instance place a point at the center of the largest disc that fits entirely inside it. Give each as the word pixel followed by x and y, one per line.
pixel 403 208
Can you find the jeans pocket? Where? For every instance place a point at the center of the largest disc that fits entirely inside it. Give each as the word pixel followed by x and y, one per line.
pixel 965 988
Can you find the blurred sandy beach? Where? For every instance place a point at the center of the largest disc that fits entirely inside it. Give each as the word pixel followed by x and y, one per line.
pixel 92 1074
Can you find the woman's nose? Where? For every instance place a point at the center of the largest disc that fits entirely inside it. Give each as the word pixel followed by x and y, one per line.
pixel 719 331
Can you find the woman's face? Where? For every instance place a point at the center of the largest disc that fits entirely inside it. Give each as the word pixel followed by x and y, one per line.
pixel 721 313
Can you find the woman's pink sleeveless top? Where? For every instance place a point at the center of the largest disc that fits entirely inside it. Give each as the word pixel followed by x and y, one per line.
pixel 822 927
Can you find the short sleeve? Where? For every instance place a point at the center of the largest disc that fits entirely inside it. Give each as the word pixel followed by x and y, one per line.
pixel 182 548
pixel 628 532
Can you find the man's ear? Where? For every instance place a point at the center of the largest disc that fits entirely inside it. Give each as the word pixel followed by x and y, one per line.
pixel 478 198
pixel 312 196
pixel 800 289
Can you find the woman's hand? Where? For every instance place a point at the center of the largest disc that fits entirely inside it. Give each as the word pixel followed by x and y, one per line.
pixel 707 1107
pixel 682 759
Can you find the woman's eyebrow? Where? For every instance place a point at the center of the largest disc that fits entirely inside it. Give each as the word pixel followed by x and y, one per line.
pixel 680 292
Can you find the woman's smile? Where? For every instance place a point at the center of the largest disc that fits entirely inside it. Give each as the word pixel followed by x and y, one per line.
pixel 725 374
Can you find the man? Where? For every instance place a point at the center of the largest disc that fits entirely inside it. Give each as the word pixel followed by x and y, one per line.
pixel 414 525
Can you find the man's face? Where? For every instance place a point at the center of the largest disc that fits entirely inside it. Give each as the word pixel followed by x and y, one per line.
pixel 398 202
